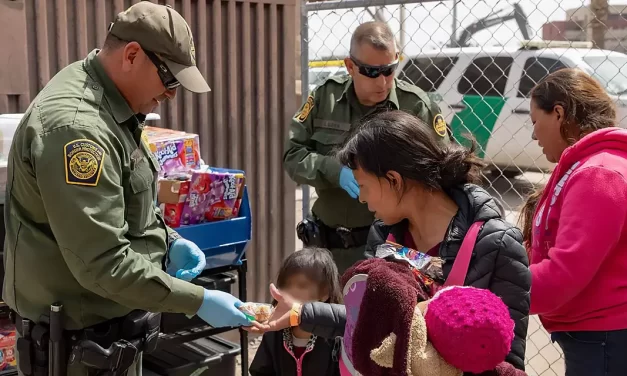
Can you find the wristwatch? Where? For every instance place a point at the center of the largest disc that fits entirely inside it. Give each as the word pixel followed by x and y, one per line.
pixel 295 314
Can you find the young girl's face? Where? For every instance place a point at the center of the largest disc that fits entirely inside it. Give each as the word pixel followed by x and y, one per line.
pixel 303 289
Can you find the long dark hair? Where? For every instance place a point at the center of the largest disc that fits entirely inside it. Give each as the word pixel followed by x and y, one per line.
pixel 398 141
pixel 318 265
pixel 587 108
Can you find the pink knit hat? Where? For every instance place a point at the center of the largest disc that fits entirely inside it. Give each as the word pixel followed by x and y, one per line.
pixel 470 328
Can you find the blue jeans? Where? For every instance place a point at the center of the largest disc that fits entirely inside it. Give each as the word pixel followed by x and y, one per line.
pixel 594 353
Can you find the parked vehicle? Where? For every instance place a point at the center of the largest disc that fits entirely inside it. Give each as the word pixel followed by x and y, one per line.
pixel 485 92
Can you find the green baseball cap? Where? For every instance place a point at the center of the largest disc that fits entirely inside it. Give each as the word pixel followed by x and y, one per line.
pixel 162 30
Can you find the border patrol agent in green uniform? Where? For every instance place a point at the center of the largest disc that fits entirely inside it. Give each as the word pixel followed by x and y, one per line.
pixel 82 225
pixel 340 222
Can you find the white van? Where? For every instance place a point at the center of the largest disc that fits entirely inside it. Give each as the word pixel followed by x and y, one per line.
pixel 485 91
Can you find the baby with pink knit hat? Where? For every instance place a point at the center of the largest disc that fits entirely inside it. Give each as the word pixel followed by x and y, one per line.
pixel 463 329
pixel 469 327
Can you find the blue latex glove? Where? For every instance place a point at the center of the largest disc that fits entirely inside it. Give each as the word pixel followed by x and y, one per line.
pixel 348 182
pixel 220 310
pixel 187 261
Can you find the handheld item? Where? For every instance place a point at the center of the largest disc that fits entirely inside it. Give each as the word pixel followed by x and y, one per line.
pixel 220 309
pixel 259 312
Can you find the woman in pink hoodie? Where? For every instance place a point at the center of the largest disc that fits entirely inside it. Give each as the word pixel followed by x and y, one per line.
pixel 576 229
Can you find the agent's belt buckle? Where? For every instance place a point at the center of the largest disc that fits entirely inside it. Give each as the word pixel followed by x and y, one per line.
pixel 346 235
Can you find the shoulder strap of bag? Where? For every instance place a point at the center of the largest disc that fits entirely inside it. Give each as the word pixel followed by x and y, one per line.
pixel 457 276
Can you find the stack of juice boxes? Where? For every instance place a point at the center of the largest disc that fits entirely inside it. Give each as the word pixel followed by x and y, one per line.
pixel 190 192
pixel 175 151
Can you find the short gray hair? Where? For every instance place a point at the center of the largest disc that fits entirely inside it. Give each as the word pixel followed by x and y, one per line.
pixel 377 34
pixel 113 43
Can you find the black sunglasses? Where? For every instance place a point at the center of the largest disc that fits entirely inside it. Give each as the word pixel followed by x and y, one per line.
pixel 374 71
pixel 167 78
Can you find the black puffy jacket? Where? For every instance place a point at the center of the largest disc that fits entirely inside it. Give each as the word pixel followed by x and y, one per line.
pixel 499 264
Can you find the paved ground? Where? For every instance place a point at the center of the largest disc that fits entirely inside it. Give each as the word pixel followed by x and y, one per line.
pixel 511 193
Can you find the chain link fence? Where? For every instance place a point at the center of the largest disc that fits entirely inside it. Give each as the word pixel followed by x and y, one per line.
pixel 471 57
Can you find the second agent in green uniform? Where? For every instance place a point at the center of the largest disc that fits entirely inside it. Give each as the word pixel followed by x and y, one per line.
pixel 327 118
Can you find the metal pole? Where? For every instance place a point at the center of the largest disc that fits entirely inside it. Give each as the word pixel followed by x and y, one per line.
pixel 304 80
pixel 454 28
pixel 402 28
pixel 243 335
pixel 599 22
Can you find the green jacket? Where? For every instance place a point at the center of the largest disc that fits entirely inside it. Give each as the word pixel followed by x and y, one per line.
pixel 323 123
pixel 82 227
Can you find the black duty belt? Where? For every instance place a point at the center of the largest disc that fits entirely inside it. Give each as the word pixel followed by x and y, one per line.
pixel 108 348
pixel 342 237
pixel 104 334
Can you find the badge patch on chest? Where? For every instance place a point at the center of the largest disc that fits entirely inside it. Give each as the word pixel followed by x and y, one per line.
pixel 83 162
pixel 304 112
pixel 439 125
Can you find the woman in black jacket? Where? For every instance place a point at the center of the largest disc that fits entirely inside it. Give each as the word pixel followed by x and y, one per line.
pixel 422 195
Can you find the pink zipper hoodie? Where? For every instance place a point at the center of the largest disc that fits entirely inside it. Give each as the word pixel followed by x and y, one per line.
pixel 579 239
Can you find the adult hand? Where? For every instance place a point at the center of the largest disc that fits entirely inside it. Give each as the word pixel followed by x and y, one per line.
pixel 187 261
pixel 220 310
pixel 348 182
pixel 280 318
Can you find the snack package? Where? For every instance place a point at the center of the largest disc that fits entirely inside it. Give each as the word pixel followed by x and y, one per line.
pixel 427 270
pixel 175 151
pixel 214 194
pixel 430 266
pixel 197 198
pixel 259 312
pixel 7 345
pixel 172 196
pixel 226 195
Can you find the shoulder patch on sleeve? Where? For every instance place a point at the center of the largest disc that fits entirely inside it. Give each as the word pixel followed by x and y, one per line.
pixel 303 114
pixel 83 162
pixel 439 125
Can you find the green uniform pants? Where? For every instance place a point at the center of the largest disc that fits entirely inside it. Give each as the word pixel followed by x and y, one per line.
pixel 345 257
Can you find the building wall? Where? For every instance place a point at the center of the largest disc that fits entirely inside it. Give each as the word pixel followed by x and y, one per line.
pixel 574 28
pixel 246 51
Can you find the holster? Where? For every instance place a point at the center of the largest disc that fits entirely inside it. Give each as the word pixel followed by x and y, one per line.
pixel 314 233
pixel 309 232
pixel 136 332
pixel 109 348
pixel 31 346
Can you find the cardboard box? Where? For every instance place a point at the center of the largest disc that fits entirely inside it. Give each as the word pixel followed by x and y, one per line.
pixel 176 151
pixel 172 195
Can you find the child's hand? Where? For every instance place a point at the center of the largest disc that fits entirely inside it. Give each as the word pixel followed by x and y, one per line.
pixel 280 318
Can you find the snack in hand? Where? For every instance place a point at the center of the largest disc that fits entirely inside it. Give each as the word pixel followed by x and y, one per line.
pixel 428 265
pixel 259 312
